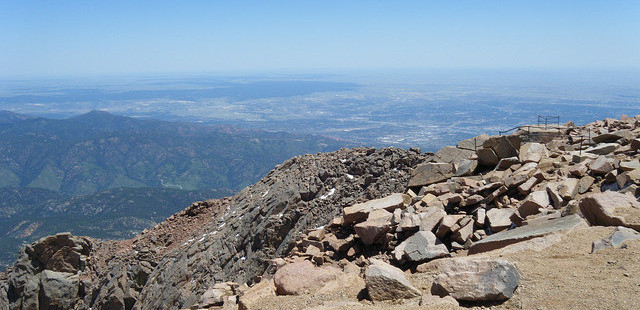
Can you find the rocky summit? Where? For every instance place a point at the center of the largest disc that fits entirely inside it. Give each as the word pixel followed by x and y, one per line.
pixel 544 218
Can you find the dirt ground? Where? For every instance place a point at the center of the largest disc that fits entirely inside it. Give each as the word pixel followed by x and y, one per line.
pixel 558 272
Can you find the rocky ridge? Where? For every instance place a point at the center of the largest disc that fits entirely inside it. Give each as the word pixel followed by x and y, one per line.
pixel 368 228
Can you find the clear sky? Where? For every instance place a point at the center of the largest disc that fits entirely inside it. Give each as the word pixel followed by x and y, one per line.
pixel 43 38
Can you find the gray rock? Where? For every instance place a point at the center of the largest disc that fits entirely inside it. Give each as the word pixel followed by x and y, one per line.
pixel 611 209
pixel 429 173
pixel 466 167
pixel 477 280
pixel 58 290
pixel 385 282
pixel 420 247
pixel 431 218
pixel 519 234
pixel 616 238
pixel 585 184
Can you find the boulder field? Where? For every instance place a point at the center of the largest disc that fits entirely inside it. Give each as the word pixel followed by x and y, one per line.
pixel 542 218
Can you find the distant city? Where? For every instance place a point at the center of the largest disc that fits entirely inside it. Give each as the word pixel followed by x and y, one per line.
pixel 428 109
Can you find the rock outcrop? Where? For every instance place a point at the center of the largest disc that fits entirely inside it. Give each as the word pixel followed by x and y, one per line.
pixel 317 222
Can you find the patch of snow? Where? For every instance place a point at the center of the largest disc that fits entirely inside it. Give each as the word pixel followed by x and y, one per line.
pixel 222 225
pixel 331 192
pixel 344 160
pixel 243 258
pixel 350 176
pixel 265 193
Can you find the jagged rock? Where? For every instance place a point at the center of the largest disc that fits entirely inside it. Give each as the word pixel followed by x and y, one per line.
pixel 503 146
pixel 487 157
pixel 317 234
pixel 616 238
pixel 420 247
pixel 533 203
pixel 499 219
pixel 429 173
pixel 611 209
pixel 507 162
pixel 379 214
pixel 568 188
pixel 523 233
pixel 385 282
pixel 533 152
pixel 526 187
pixel 497 193
pixel 601 166
pixel 466 167
pixel 302 277
pixel 477 280
pixel 371 230
pixel 452 154
pixel 360 211
pixel 431 218
pixel 464 233
pixel 447 223
pixel 471 200
pixel 585 184
pixel 253 298
pixel 552 190
pixel 603 148
pixel 514 180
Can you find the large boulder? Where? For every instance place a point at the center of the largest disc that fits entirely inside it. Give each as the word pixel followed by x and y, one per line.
pixel 386 282
pixel 611 209
pixel 503 146
pixel 420 247
pixel 429 173
pixel 476 280
pixel 303 277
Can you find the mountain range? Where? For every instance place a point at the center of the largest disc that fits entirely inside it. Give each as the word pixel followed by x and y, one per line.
pixel 110 176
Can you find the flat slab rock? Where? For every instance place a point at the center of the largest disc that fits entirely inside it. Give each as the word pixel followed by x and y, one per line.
pixel 386 282
pixel 523 233
pixel 360 211
pixel 611 209
pixel 476 280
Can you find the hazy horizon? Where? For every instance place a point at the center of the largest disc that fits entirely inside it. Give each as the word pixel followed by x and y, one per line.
pixel 43 39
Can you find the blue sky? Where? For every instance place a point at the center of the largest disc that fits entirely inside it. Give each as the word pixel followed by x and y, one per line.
pixel 44 38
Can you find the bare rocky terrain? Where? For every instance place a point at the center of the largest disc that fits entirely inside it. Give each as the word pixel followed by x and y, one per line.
pixel 540 219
